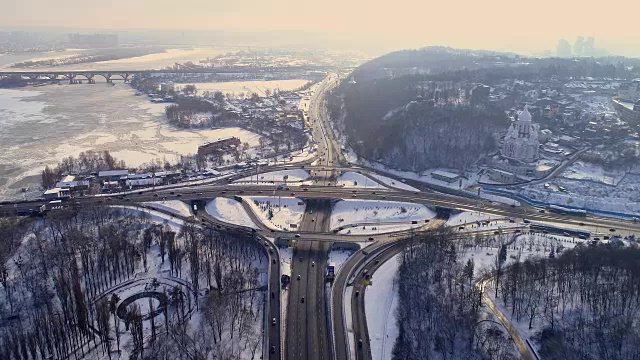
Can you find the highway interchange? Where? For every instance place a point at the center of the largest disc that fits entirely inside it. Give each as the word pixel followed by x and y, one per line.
pixel 315 327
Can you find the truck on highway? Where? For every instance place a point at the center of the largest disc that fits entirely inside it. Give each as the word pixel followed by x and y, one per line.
pixel 331 272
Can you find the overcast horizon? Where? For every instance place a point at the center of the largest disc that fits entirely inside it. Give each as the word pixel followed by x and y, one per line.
pixel 494 24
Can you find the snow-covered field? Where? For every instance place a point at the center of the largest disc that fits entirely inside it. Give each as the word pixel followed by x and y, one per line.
pixel 485 250
pixel 372 212
pixel 229 211
pixel 278 213
pixel 380 302
pixel 581 170
pixel 625 197
pixel 277 177
pixel 357 180
pixel 393 183
pixel 173 206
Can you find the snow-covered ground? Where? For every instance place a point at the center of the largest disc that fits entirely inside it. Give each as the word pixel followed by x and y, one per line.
pixel 286 256
pixel 373 212
pixel 581 170
pixel 525 246
pixel 624 197
pixel 393 183
pixel 338 257
pixel 380 302
pixel 469 179
pixel 277 177
pixel 469 217
pixel 155 216
pixel 278 213
pixel 173 206
pixel 348 319
pixel 229 211
pixel 485 250
pixel 357 180
pixel 378 229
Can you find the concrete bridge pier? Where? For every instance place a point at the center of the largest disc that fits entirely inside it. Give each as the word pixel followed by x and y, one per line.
pixel 90 79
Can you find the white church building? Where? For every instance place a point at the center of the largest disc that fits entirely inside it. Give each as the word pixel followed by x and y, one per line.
pixel 521 142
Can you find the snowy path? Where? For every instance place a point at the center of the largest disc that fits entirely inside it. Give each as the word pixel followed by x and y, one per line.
pixel 380 302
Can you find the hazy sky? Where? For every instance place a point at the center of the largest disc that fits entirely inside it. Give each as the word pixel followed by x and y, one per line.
pixel 497 24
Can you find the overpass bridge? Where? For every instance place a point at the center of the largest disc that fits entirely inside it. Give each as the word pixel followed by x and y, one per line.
pixel 125 75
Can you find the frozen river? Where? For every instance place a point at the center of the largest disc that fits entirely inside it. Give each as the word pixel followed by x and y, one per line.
pixel 41 125
pixel 151 61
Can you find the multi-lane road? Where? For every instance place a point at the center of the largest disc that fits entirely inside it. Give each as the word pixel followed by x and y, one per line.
pixel 307 321
pixel 306 315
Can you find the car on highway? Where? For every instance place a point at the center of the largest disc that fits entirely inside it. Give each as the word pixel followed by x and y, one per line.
pixel 297 235
pixel 313 263
pixel 298 276
pixel 273 349
pixel 357 292
pixel 273 321
pixel 370 239
pixel 359 343
pixel 302 300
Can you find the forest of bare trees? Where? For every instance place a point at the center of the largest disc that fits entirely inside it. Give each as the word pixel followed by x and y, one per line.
pixel 60 277
pixel 438 312
pixel 413 124
pixel 585 301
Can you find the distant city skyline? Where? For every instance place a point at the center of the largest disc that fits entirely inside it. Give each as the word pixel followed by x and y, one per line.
pixel 493 24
